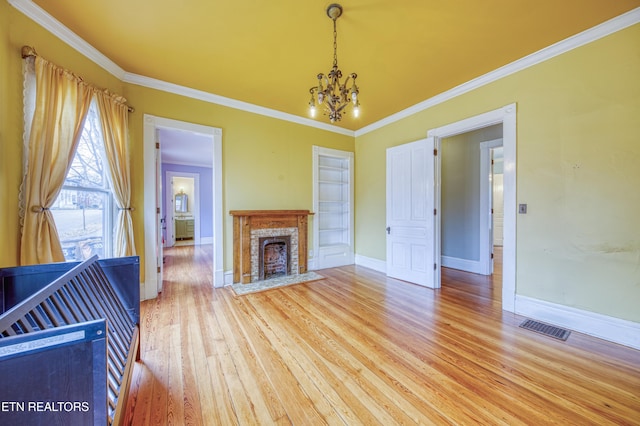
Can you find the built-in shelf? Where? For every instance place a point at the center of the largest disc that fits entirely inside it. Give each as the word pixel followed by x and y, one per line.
pixel 333 204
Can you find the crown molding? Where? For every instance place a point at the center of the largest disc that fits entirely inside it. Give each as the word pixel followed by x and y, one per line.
pixel 588 36
pixel 164 86
pixel 42 18
pixel 37 14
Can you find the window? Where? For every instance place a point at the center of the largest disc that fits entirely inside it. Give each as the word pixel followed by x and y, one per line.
pixel 84 211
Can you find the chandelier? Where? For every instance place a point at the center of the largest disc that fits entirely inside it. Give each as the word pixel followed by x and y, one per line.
pixel 333 95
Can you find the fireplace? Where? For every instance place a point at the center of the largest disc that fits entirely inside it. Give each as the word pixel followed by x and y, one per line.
pixel 274 257
pixel 279 232
pixel 288 236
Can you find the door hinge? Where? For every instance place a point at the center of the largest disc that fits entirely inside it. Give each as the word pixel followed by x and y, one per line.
pixel 435 212
pixel 491 211
pixel 435 266
pixel 157 145
pixel 158 210
pixel 492 255
pixel 158 269
pixel 435 151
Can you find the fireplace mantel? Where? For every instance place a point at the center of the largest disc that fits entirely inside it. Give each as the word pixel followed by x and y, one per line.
pixel 245 221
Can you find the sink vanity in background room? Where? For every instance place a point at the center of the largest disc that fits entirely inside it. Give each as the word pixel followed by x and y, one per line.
pixel 184 228
pixel 183 222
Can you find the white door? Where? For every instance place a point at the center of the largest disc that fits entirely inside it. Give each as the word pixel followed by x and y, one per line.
pixel 159 253
pixel 411 232
pixel 498 209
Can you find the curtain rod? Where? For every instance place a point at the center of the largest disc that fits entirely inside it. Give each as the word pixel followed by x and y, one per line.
pixel 28 51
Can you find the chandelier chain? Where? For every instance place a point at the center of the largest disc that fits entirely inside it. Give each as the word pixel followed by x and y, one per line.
pixel 335 44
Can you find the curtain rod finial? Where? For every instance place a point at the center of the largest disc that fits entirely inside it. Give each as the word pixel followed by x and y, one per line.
pixel 28 51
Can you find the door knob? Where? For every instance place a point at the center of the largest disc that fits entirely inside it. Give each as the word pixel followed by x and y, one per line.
pixel 388 230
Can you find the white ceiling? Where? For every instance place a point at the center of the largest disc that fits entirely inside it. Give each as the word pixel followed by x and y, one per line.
pixel 185 148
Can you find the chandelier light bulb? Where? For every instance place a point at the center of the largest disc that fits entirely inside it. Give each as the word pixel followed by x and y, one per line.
pixel 312 105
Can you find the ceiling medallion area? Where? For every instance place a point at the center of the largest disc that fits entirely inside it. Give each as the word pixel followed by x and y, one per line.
pixel 331 94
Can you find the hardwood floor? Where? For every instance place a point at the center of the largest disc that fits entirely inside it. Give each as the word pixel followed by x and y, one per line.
pixel 359 348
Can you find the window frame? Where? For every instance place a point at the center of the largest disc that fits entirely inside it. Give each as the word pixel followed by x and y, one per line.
pixel 109 214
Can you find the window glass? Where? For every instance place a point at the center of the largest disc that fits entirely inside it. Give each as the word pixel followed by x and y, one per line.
pixel 84 209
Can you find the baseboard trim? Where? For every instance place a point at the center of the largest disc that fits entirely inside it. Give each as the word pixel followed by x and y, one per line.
pixel 604 327
pixel 148 290
pixel 371 263
pixel 466 265
pixel 312 265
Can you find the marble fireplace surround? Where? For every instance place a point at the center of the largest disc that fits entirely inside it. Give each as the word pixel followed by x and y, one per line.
pixel 250 225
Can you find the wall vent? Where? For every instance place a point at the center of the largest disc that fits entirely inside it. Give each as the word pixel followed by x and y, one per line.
pixel 546 329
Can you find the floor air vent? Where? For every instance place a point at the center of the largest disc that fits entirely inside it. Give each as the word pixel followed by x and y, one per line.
pixel 546 329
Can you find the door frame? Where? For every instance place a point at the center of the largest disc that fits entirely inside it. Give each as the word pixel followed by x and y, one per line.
pixel 151 125
pixel 486 205
pixel 171 239
pixel 507 117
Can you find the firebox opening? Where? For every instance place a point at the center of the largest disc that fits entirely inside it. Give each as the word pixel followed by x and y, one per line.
pixel 274 257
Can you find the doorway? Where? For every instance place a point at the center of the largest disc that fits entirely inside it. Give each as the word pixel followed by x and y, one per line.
pixel 153 209
pixel 183 210
pixel 466 199
pixel 507 117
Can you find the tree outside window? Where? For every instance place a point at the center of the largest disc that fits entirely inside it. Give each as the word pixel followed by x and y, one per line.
pixel 84 210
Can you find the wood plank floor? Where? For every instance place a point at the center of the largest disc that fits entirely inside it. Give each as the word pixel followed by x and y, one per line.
pixel 357 348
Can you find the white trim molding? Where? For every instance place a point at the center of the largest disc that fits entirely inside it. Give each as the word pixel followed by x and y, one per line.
pixel 151 124
pixel 48 22
pixel 228 278
pixel 167 180
pixel 485 263
pixel 371 263
pixel 507 116
pixel 604 327
pixel 55 27
pixel 473 266
pixel 152 83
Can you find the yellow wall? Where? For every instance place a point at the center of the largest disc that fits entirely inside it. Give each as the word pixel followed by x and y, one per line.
pixel 266 162
pixel 578 168
pixel 8 174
